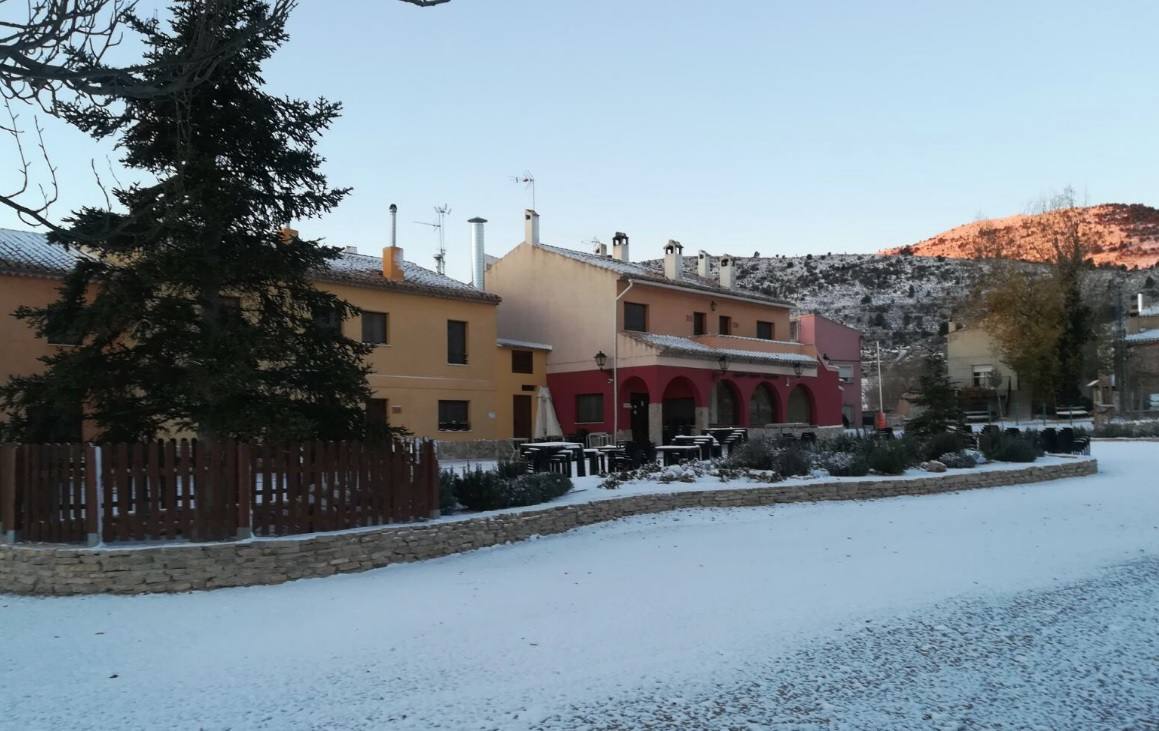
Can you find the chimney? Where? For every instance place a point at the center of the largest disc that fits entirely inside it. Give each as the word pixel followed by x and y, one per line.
pixel 350 249
pixel 620 247
pixel 392 263
pixel 478 255
pixel 531 226
pixel 673 260
pixel 600 248
pixel 727 277
pixel 393 225
pixel 702 263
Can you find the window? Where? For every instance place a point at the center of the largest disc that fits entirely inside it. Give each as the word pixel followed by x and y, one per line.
pixel 374 328
pixel 766 330
pixel 454 416
pixel 522 362
pixel 635 317
pixel 328 321
pixel 376 411
pixel 845 373
pixel 983 375
pixel 795 331
pixel 589 408
pixel 725 325
pixel 457 342
pixel 699 326
pixel 63 336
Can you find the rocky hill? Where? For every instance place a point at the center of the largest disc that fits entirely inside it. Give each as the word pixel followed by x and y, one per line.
pixel 1120 235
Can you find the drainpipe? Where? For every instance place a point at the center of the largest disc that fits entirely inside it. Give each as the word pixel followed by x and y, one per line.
pixel 616 361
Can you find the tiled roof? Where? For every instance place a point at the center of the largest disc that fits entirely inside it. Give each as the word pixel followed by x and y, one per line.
pixel 1143 336
pixel 676 345
pixel 364 270
pixel 646 273
pixel 30 252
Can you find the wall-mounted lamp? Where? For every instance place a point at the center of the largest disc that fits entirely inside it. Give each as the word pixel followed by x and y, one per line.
pixel 797 370
pixel 722 361
pixel 601 361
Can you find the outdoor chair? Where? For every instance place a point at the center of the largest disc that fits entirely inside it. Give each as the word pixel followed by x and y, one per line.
pixel 599 439
pixel 1013 432
pixel 1048 439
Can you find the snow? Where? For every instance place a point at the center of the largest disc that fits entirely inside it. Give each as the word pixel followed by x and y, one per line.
pixel 1143 336
pixel 1020 607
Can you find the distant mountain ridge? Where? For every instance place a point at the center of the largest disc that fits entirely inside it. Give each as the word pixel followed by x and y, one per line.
pixel 1121 234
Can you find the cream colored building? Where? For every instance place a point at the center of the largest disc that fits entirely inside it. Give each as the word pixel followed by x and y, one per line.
pixel 987 383
pixel 438 366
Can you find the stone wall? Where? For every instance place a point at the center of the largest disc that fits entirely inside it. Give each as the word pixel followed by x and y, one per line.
pixel 32 569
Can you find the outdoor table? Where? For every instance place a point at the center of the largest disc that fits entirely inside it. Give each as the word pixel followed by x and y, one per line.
pixel 709 446
pixel 672 453
pixel 575 450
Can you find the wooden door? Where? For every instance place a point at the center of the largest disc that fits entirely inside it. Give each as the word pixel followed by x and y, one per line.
pixel 521 414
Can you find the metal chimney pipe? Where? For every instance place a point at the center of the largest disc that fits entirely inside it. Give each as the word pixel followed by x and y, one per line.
pixel 393 225
pixel 478 254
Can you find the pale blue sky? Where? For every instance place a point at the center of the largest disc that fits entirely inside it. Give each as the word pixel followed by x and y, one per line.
pixel 730 126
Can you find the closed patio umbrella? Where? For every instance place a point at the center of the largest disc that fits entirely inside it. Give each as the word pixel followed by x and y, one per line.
pixel 546 422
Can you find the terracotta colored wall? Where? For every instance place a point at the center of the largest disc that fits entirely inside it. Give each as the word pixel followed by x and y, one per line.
pixel 670 312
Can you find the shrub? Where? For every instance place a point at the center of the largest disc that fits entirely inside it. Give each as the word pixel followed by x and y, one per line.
pixel 843 463
pixel 1126 429
pixel 890 457
pixel 447 500
pixel 480 490
pixel 932 447
pixel 490 490
pixel 957 460
pixel 511 470
pixel 1009 448
pixel 789 459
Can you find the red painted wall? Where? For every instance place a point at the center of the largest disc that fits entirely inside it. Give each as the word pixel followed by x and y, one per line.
pixel 824 390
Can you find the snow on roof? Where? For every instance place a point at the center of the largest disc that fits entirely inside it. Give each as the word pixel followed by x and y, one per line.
pixel 526 344
pixel 645 273
pixel 1143 336
pixel 676 345
pixel 367 270
pixel 31 252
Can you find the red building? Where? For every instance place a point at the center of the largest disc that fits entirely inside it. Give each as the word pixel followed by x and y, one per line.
pixel 648 352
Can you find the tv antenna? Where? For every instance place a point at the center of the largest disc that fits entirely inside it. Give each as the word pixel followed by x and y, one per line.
pixel 528 181
pixel 441 212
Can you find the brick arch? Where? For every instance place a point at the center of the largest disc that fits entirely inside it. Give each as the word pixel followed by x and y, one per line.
pixel 801 405
pixel 765 405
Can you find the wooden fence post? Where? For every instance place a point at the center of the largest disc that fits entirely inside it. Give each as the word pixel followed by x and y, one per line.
pixel 431 466
pixel 8 493
pixel 92 495
pixel 244 492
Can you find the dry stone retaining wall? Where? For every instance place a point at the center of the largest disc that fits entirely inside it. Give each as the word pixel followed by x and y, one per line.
pixel 32 569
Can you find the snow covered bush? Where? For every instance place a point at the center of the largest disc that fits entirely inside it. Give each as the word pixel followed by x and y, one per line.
pixel 786 459
pixel 1004 447
pixel 842 464
pixel 957 460
pixel 491 490
pixel 935 445
pixel 1135 429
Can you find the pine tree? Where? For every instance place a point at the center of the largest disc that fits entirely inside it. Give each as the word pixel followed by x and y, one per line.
pixel 938 399
pixel 193 312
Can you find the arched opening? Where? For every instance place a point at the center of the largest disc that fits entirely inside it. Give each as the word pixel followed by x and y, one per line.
pixel 678 413
pixel 800 406
pixel 762 406
pixel 727 403
pixel 634 393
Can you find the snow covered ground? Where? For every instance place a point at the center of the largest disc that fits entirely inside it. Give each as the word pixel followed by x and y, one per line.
pixel 1032 606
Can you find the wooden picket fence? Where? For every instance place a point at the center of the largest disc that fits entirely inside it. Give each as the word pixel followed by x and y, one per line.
pixel 210 491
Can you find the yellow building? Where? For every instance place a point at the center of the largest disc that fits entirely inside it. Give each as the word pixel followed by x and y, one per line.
pixel 438 367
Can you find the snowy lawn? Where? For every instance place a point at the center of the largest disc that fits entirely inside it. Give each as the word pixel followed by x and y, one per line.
pixel 1031 606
